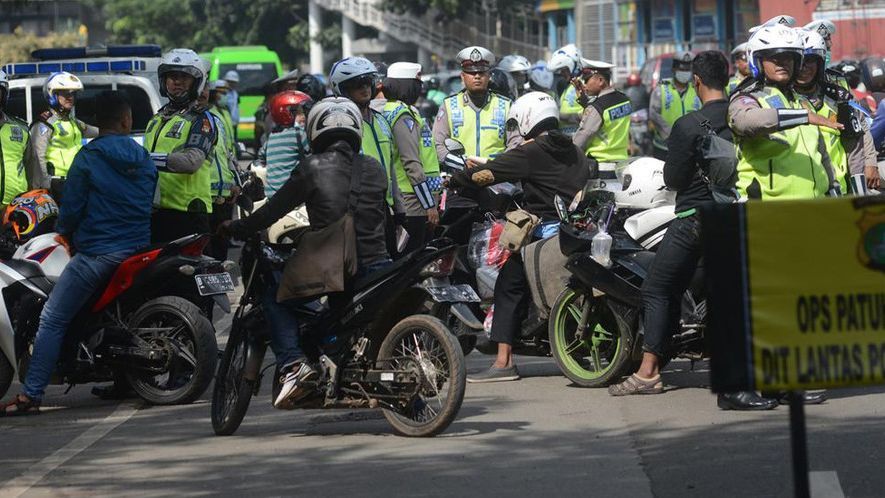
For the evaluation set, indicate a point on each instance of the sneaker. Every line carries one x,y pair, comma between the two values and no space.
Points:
293,385
494,374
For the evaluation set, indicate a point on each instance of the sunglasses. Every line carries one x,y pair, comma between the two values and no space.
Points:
358,83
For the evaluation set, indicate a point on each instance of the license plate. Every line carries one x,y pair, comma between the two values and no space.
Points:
453,294
214,283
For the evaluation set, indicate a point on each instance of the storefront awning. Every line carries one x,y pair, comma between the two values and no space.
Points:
545,6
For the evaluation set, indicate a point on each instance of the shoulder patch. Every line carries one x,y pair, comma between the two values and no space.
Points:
409,122
207,126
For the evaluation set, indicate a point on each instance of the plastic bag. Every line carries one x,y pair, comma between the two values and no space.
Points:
486,256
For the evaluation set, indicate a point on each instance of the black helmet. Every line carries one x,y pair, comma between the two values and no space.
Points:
503,84
873,69
312,86
432,83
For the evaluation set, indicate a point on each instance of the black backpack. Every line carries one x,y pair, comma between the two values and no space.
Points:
719,164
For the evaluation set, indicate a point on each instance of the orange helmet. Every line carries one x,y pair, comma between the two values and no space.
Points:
31,213
284,105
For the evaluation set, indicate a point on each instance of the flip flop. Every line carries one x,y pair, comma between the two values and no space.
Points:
19,406
635,385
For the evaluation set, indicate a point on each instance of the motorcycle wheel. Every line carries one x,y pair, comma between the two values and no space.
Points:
466,336
423,340
597,359
232,392
6,375
177,325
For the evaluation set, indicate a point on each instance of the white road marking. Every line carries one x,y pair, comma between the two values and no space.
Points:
17,486
825,484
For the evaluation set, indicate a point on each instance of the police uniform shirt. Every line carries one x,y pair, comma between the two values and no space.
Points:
199,142
406,134
441,129
591,122
41,134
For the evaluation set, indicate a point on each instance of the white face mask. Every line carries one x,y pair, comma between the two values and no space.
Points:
682,76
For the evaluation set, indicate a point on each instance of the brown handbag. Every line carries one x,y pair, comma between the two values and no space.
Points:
324,258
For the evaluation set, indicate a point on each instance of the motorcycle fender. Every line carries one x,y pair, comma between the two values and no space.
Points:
254,358
462,312
222,301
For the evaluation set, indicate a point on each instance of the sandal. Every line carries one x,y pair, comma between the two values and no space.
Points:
19,406
636,385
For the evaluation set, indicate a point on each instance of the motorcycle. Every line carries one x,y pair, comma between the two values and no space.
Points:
372,345
595,325
29,214
143,325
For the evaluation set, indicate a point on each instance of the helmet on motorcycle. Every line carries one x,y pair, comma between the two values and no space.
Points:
873,69
32,213
642,184
285,105
62,81
332,119
533,113
351,69
852,71
4,89
312,86
772,40
183,60
502,83
634,80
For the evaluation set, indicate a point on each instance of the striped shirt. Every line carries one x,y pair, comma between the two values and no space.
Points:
284,150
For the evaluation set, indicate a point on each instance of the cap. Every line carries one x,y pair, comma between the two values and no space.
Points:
232,76
682,59
291,75
404,70
475,59
218,85
738,50
596,65
784,19
823,27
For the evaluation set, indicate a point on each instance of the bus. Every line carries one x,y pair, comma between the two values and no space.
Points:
257,65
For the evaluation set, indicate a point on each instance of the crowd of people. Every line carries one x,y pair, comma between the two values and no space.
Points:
369,150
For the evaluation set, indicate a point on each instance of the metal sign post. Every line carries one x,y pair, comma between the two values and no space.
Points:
799,445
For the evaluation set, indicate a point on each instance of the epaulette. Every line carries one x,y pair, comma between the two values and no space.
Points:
749,85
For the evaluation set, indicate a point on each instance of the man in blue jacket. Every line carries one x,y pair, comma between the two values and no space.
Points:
105,218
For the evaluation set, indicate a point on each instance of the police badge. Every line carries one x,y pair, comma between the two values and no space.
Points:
871,246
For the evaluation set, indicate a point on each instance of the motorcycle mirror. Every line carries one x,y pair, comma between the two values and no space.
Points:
455,147
245,203
561,208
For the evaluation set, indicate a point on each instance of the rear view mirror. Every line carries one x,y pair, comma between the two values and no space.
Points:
561,208
455,147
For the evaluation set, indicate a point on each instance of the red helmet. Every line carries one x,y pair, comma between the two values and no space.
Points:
284,105
633,80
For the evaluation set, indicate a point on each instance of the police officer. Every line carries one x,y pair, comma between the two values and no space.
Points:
222,178
518,67
13,146
217,104
670,100
57,135
605,126
845,147
181,138
566,64
779,153
416,167
742,68
233,96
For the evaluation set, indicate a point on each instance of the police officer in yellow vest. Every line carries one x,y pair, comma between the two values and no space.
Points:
222,178
57,135
567,64
780,140
742,68
181,138
604,131
13,147
670,100
218,106
416,167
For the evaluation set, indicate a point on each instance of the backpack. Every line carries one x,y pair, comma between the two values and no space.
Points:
719,164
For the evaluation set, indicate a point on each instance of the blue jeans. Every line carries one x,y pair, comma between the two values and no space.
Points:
81,278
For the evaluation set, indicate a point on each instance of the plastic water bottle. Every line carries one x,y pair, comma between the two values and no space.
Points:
600,248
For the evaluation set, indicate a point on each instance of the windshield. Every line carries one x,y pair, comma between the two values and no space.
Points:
138,99
253,75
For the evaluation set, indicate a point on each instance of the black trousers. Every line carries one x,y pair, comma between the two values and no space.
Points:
512,300
674,266
168,225
218,246
419,233
659,153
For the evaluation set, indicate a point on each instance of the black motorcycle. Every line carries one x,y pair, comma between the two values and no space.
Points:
595,326
372,346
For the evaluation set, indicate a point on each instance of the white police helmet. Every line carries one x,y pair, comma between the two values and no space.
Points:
771,40
61,81
183,60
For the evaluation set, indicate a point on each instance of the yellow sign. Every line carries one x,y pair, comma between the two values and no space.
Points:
815,276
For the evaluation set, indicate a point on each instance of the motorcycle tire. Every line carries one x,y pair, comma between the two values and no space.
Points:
405,340
608,347
232,391
202,348
466,336
7,373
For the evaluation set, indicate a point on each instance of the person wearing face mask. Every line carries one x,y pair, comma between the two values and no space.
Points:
742,68
670,100
57,135
604,132
181,138
566,65
845,147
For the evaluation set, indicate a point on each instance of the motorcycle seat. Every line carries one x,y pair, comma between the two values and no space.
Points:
375,276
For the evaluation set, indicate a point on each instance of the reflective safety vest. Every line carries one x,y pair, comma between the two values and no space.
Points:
674,106
610,143
63,146
393,111
784,164
224,114
221,176
833,142
733,83
378,143
13,144
179,191
483,133
568,104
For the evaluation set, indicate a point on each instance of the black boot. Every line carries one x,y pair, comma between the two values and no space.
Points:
808,398
745,400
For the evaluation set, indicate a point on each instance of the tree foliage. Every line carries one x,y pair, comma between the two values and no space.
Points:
17,46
